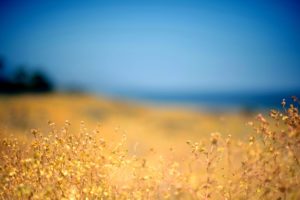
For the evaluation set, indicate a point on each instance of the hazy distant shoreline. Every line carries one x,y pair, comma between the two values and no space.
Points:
221,100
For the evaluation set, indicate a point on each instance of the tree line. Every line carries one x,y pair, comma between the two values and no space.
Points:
22,80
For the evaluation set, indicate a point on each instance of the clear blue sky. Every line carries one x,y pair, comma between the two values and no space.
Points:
156,45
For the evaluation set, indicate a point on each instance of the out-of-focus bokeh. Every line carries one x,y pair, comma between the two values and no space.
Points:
154,99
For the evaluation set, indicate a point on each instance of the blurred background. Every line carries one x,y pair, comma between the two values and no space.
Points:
169,99
199,66
206,53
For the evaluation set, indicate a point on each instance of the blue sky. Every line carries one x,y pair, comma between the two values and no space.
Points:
156,45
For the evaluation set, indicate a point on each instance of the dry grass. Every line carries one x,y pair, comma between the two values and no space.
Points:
67,163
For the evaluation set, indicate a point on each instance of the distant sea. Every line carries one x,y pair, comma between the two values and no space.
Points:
221,101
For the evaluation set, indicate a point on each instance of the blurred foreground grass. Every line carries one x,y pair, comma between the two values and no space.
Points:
115,150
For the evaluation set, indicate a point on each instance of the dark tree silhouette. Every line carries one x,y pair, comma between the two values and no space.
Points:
5,84
23,81
20,79
21,76
40,83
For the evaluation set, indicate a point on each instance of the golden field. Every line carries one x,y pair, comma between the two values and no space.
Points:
61,146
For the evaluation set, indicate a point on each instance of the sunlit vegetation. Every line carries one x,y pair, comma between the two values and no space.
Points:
63,162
